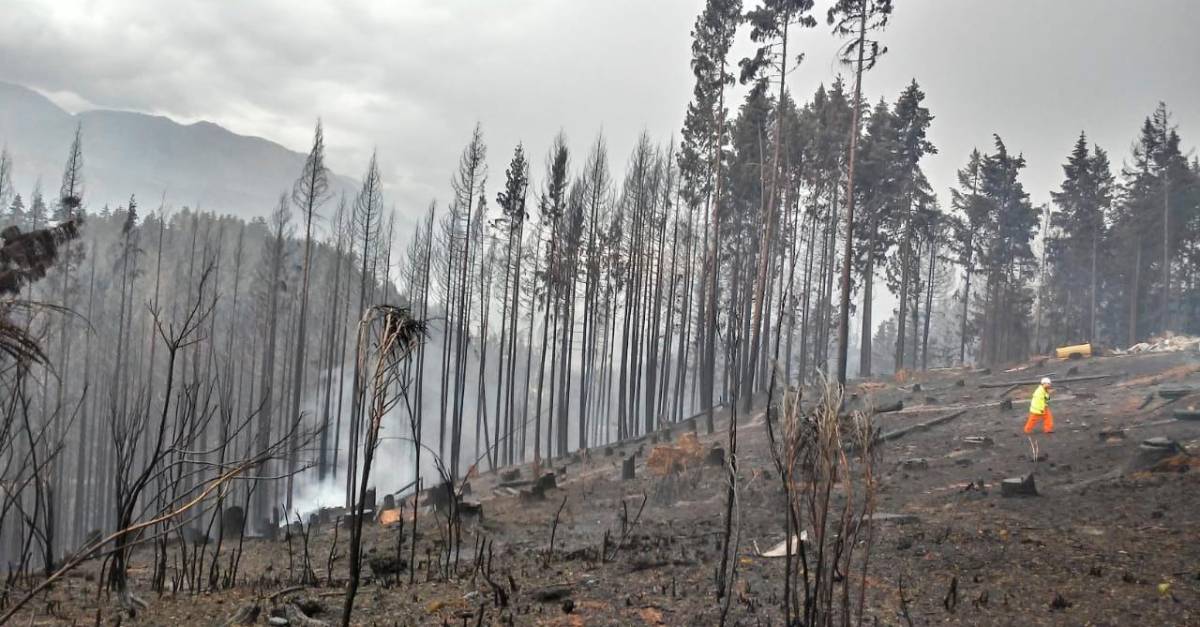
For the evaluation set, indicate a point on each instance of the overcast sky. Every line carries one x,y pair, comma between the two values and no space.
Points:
411,78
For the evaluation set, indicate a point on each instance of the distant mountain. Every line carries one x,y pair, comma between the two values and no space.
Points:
198,165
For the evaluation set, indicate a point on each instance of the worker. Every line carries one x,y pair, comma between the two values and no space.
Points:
1039,409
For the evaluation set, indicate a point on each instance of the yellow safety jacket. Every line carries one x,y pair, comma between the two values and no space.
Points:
1041,398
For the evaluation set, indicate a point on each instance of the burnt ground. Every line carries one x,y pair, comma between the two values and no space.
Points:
1116,545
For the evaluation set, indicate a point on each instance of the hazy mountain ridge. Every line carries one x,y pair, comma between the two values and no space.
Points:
199,165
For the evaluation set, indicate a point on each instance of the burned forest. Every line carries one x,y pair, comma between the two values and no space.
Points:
767,365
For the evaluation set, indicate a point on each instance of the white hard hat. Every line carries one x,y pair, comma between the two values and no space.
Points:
1045,380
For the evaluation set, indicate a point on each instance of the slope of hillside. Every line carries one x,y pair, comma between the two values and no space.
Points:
1110,540
200,165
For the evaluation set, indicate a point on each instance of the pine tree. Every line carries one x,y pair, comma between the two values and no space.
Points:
310,191
1006,258
770,26
1158,200
6,177
746,241
912,120
551,207
368,222
1085,197
968,226
70,197
38,214
16,215
468,183
510,225
854,19
271,283
597,192
701,163
876,191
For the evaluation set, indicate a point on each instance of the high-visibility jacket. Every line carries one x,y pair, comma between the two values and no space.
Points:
1041,398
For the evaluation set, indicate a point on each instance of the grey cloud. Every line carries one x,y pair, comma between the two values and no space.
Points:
412,78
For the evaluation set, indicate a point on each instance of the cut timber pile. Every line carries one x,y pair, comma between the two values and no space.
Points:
1167,343
671,459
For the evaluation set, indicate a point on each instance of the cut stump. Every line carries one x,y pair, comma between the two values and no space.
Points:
1018,486
627,472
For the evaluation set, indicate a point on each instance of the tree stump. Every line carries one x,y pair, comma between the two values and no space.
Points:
247,615
233,520
439,496
1018,486
470,510
387,565
627,472
1152,451
546,482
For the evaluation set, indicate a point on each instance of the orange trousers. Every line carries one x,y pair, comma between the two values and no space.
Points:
1047,425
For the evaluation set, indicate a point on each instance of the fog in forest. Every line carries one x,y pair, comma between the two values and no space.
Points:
269,257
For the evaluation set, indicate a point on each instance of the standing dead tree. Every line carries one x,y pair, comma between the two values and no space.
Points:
387,336
727,574
176,458
29,453
135,506
128,428
123,540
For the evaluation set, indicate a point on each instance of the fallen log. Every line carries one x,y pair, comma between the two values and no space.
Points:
1010,389
921,426
887,408
1175,394
550,594
1004,384
1187,414
286,591
890,407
